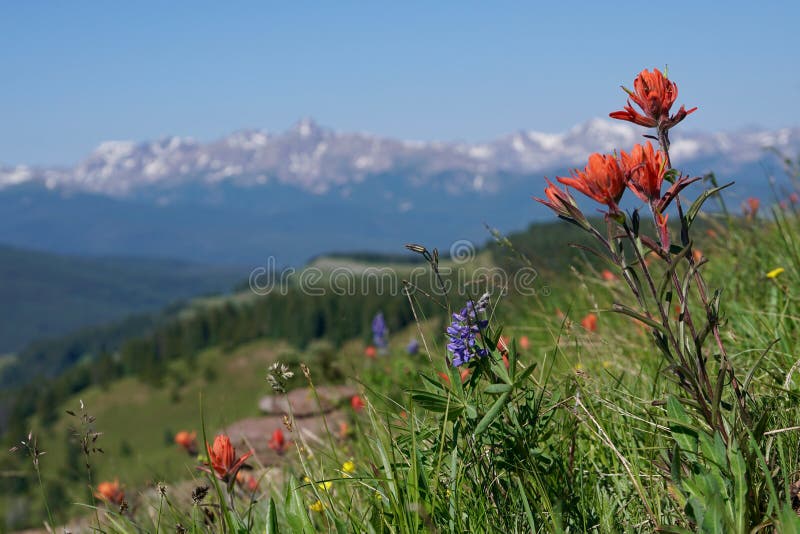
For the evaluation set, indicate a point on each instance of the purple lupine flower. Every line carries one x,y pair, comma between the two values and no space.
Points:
412,347
380,334
463,332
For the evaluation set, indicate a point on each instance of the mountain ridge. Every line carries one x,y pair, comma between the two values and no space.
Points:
253,196
320,160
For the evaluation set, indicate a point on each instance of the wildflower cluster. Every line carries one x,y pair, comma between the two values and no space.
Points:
464,330
643,171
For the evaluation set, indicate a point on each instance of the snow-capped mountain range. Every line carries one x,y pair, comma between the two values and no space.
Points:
319,160
311,190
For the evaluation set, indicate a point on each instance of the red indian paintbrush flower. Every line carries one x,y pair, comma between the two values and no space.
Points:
601,180
561,202
223,458
357,403
590,322
750,207
111,492
644,169
278,441
187,440
654,94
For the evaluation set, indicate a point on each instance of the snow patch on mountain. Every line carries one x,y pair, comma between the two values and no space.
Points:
318,159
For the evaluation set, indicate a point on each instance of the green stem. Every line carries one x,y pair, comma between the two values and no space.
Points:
44,497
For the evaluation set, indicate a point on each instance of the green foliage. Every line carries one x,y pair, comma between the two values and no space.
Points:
582,432
80,292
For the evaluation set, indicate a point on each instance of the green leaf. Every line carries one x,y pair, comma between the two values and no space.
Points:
496,389
739,475
621,308
492,337
524,376
675,465
436,403
493,413
296,513
697,204
678,254
272,518
435,383
472,412
680,425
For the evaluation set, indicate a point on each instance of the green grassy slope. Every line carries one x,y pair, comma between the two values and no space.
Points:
45,295
617,364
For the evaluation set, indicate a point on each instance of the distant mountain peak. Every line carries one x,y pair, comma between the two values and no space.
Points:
317,159
306,127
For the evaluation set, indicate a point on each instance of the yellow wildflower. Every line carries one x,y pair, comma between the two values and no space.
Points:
316,507
775,272
325,485
348,467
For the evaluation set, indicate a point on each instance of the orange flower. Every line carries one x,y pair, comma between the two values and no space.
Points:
223,458
697,255
344,430
750,207
187,440
654,94
794,198
111,492
357,403
590,322
601,180
370,352
524,343
562,203
608,276
644,169
506,362
278,441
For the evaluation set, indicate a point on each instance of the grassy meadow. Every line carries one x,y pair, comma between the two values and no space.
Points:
644,380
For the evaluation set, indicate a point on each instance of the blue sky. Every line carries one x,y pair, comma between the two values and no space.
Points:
77,73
